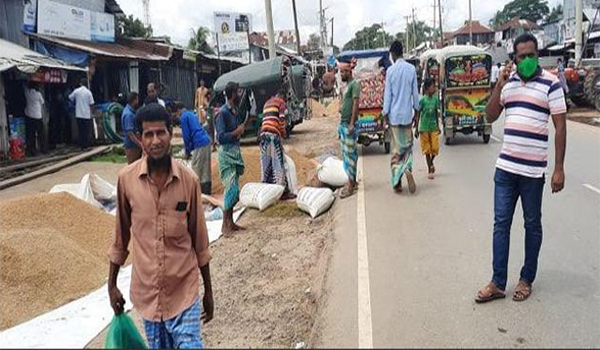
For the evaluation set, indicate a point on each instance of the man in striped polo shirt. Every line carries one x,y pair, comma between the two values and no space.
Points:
273,130
529,97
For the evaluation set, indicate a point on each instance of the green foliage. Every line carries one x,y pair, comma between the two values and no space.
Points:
131,27
199,41
533,10
372,37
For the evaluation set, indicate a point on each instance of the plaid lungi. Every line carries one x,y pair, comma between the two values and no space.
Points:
231,167
348,144
402,152
272,166
181,332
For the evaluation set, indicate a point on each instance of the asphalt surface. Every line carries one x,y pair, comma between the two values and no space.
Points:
429,253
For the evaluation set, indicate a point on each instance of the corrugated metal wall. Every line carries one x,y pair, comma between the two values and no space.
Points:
11,20
180,83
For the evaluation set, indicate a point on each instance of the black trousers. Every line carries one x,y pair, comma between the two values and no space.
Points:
84,130
34,134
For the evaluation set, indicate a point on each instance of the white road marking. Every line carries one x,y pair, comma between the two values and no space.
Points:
590,187
496,138
365,325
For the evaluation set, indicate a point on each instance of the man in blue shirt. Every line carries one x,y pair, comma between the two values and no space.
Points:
196,143
231,163
131,142
401,111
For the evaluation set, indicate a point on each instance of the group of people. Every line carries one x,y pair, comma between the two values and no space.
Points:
404,112
159,202
528,95
83,101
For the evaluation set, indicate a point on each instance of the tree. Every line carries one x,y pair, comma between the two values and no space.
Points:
199,41
369,38
314,41
533,10
131,27
555,14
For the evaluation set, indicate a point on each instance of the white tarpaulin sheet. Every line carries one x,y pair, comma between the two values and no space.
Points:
77,323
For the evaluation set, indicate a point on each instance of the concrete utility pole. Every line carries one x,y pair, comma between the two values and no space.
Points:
296,27
406,33
433,32
270,31
470,25
331,31
441,30
578,31
414,30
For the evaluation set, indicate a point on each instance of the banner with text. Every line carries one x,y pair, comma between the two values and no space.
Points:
232,31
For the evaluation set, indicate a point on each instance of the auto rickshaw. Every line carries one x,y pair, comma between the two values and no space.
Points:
465,88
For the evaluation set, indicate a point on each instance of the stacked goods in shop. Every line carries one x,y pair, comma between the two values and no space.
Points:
372,88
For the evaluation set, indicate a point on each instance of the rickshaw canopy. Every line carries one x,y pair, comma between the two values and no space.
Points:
259,73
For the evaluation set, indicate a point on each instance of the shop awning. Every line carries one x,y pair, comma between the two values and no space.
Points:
126,49
28,61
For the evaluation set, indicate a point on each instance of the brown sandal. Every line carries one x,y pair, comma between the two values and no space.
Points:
347,191
489,293
522,291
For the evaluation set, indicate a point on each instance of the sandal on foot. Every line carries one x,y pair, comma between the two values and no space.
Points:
522,291
412,186
489,293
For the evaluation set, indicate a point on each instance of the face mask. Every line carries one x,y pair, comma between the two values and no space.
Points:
527,67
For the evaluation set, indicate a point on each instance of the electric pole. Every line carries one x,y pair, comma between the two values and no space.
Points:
332,32
441,30
578,31
414,30
270,32
406,34
296,26
470,25
383,35
433,28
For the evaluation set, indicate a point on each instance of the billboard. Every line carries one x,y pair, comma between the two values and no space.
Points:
63,20
232,30
102,27
66,21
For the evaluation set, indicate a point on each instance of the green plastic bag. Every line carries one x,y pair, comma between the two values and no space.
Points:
123,334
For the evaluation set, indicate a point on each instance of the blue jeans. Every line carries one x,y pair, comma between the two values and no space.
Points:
508,188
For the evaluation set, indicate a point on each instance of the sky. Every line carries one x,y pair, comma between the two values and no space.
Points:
176,18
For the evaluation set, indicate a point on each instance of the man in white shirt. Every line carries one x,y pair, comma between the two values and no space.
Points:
84,101
33,122
152,95
495,74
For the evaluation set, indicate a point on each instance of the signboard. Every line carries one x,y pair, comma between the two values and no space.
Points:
232,31
102,27
468,71
67,21
29,15
46,75
63,20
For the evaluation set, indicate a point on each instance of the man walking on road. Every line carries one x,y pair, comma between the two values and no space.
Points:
401,112
529,97
196,142
84,101
131,142
231,163
347,132
160,210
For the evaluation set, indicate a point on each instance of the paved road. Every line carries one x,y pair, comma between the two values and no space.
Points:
429,253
